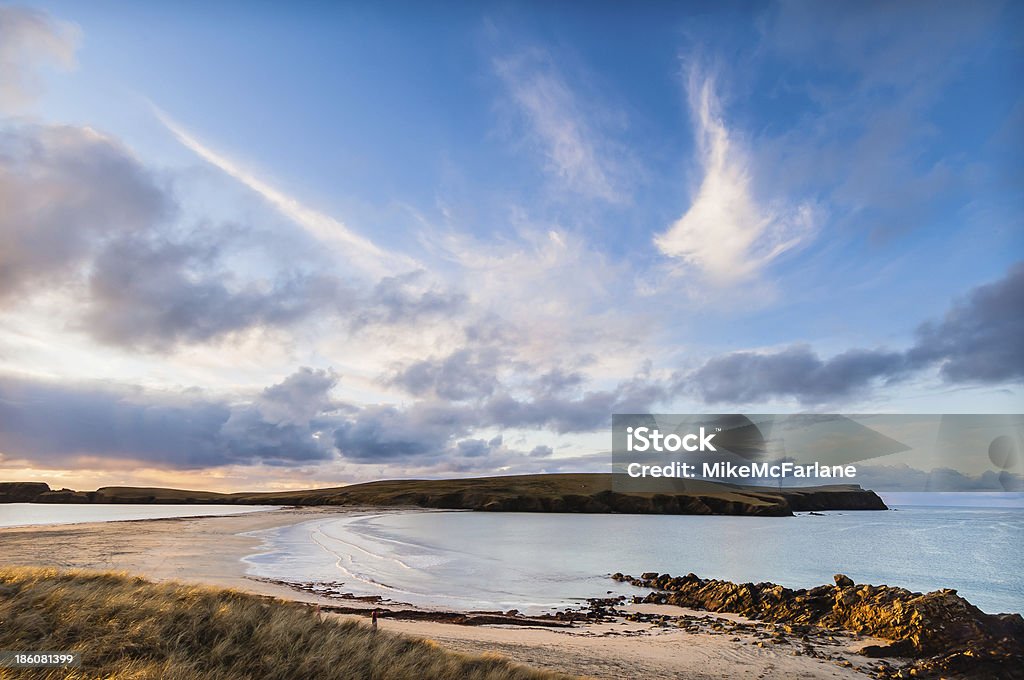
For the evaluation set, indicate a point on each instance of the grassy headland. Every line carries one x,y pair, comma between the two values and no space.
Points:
130,628
520,493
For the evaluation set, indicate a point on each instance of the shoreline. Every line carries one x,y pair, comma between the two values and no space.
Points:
649,640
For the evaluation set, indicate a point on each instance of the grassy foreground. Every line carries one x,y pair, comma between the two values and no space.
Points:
127,627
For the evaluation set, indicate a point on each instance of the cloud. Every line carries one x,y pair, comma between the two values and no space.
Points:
296,421
977,341
153,293
900,477
564,414
64,190
54,423
794,372
478,448
301,397
726,233
30,39
464,374
386,433
359,251
81,213
501,391
406,299
557,381
546,297
541,451
77,202
981,337
576,154
431,428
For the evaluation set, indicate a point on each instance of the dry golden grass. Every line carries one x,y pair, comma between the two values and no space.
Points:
128,628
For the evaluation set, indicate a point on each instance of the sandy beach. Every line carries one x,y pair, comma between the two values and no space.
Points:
209,550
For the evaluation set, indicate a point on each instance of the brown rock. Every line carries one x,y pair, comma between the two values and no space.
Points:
941,629
844,581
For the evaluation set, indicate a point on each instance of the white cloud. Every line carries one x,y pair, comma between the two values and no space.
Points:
358,250
575,154
726,233
30,38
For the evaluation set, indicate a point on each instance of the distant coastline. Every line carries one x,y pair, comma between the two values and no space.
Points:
586,493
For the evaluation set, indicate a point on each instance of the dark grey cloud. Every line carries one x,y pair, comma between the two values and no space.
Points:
153,293
463,374
477,448
59,423
301,397
385,433
541,451
977,341
796,371
587,412
981,338
64,190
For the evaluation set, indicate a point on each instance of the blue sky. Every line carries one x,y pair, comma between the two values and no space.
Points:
459,237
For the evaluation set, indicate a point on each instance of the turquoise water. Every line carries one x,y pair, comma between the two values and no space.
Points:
537,562
36,514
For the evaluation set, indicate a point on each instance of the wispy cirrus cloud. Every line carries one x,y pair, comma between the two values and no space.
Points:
576,153
30,39
359,250
727,233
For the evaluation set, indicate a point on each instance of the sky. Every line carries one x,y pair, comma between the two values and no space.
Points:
280,245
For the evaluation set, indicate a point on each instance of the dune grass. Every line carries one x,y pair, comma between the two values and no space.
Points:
127,627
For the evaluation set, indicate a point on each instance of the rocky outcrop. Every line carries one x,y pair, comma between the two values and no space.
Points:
942,630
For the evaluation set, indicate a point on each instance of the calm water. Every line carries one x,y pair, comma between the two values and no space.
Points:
34,514
535,562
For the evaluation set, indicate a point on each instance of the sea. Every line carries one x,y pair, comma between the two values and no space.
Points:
537,563
37,514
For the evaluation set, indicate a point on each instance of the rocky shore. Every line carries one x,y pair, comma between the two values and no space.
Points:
937,634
